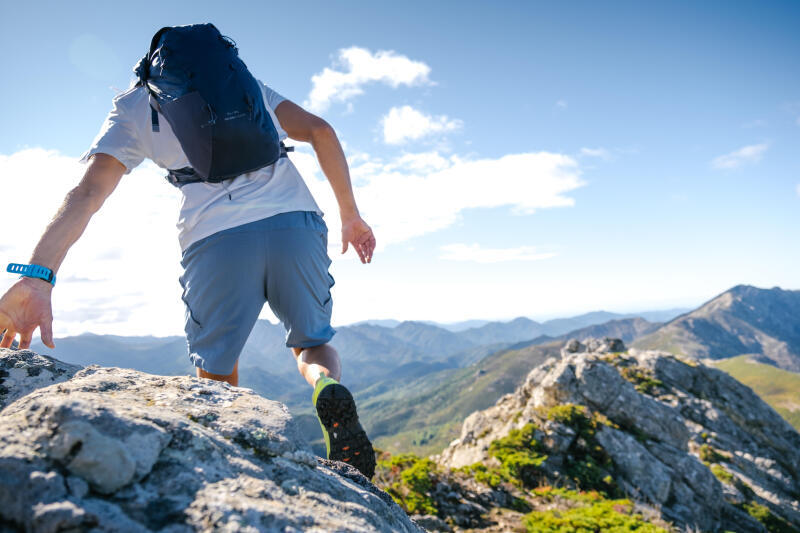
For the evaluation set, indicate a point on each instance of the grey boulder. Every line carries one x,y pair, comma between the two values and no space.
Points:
119,450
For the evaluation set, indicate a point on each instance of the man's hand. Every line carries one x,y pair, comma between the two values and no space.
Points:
26,305
356,232
23,308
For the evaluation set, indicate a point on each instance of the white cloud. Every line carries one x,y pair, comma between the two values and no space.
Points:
561,104
474,253
122,275
421,193
602,153
405,123
356,67
746,154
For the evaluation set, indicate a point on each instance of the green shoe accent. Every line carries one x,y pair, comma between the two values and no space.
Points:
323,382
345,438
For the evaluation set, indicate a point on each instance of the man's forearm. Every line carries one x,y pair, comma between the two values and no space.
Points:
65,228
101,178
334,165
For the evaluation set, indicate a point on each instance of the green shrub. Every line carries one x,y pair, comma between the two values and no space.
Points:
709,455
555,493
642,380
773,523
586,462
571,415
412,480
593,513
483,474
520,455
722,474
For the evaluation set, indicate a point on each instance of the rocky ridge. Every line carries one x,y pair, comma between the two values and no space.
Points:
684,441
109,449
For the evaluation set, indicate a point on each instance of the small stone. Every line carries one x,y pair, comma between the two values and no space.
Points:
78,488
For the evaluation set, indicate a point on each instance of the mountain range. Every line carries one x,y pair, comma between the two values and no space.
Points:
428,377
369,351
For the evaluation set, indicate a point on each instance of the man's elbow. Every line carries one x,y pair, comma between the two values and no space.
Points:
101,178
321,131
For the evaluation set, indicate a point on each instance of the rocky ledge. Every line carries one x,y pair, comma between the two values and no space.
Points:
109,449
684,441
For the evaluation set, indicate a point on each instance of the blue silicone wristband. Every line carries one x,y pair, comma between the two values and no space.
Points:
32,271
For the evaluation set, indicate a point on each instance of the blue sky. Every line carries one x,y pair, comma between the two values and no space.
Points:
515,158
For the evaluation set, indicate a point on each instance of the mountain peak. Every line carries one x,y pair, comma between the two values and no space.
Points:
741,320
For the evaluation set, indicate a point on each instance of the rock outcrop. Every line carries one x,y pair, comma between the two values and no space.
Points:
683,438
108,449
23,371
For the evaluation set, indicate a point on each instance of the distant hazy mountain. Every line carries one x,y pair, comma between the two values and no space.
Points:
554,327
661,316
560,326
627,329
385,323
157,355
742,320
524,329
461,326
519,329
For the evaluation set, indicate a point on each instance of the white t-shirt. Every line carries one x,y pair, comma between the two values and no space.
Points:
127,134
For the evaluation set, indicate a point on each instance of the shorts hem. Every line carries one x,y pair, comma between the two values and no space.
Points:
203,365
310,344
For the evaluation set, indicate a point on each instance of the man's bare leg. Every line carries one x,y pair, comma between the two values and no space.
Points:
232,378
316,360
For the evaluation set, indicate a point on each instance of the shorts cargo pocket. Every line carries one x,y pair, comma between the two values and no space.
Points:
189,313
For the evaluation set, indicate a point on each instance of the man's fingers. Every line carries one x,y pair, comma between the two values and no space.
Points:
344,245
369,246
8,338
367,252
46,330
25,340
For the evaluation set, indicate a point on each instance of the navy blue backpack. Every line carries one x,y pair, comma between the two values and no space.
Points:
214,105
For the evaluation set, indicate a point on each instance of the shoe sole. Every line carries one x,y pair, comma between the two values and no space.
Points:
349,443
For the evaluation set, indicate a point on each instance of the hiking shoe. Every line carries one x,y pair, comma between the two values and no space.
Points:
345,439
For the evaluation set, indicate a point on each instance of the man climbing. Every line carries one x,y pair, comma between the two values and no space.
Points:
249,228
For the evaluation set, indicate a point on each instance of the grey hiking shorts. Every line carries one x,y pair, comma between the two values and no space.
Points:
229,275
